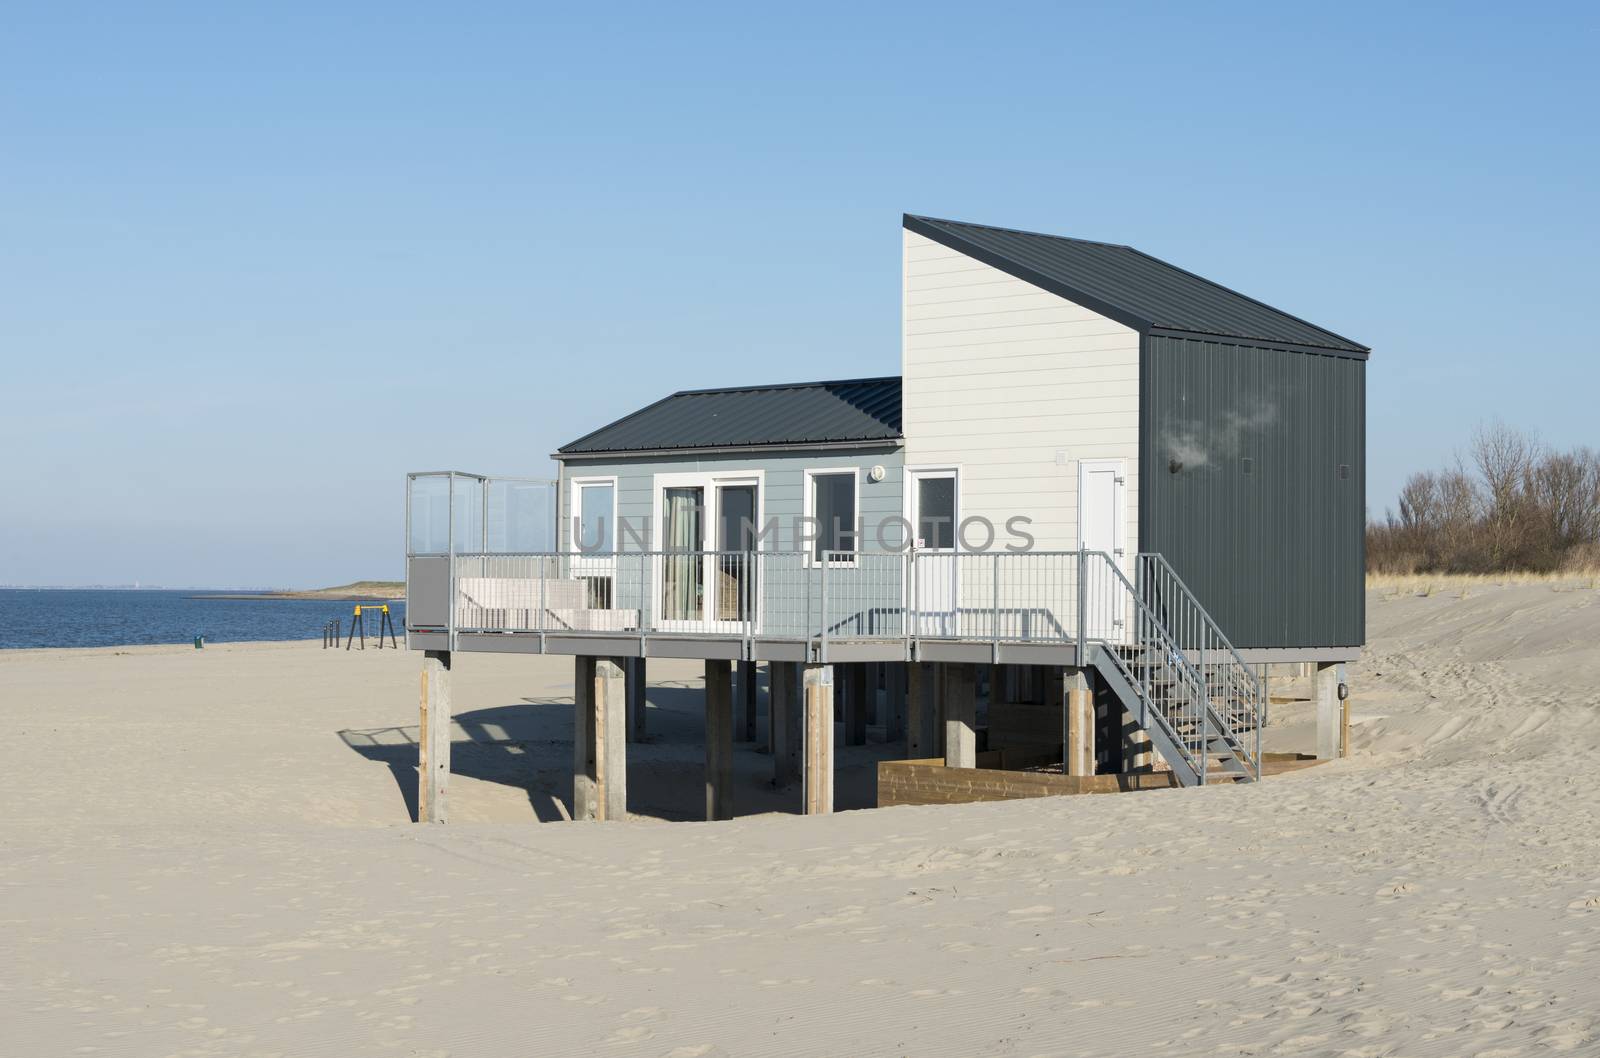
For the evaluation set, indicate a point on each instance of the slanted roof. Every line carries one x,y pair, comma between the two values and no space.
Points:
1129,286
804,413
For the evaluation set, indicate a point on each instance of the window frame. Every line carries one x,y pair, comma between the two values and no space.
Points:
575,516
809,512
709,481
908,509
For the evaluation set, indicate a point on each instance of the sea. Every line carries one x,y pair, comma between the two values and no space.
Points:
91,617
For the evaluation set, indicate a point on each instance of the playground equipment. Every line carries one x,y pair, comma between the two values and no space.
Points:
332,633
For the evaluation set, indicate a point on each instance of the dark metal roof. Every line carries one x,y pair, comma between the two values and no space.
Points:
854,410
1129,286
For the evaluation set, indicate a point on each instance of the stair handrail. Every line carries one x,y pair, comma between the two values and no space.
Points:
1170,653
1238,668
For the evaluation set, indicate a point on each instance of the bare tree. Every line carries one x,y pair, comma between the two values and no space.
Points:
1504,459
1513,505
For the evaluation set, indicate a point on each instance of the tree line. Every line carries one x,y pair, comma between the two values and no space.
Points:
1509,504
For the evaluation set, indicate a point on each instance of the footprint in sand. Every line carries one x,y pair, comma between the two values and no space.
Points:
632,1034
1531,723
1449,729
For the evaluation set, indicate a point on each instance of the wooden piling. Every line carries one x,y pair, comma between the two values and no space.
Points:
433,738
719,739
818,683
600,740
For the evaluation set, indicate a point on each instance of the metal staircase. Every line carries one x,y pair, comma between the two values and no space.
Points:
1162,654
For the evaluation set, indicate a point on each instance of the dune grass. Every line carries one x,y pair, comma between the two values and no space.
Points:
1463,584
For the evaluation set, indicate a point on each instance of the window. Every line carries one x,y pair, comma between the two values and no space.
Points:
596,510
936,512
833,505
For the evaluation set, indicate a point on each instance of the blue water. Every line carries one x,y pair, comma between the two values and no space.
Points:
96,618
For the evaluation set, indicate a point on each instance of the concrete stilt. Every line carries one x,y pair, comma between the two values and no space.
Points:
772,717
855,705
719,739
585,734
747,701
1330,709
600,740
875,697
818,682
894,706
433,737
1052,680
961,716
637,680
1080,724
919,710
786,717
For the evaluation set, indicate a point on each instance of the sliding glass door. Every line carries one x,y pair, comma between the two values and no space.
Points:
736,533
683,582
709,525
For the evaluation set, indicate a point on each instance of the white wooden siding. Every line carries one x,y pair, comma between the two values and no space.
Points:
1000,376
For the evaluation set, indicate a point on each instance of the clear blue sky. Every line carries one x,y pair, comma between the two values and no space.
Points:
256,264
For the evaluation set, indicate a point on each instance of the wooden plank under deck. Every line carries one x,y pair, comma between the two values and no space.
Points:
930,782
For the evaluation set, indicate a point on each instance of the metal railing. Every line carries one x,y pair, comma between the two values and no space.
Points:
1151,658
1022,597
1006,597
1233,690
1168,648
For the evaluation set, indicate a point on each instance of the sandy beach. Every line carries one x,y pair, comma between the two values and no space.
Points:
209,853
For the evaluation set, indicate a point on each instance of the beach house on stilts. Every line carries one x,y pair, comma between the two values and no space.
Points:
1101,486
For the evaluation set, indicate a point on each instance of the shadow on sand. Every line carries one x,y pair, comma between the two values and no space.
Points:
528,746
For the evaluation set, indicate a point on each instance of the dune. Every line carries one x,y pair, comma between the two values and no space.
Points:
209,853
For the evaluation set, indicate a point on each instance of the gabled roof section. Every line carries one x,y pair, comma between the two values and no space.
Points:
805,413
1130,286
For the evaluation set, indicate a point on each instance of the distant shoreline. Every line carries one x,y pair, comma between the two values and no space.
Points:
272,595
373,591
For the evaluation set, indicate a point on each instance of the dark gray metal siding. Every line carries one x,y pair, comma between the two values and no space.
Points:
1277,555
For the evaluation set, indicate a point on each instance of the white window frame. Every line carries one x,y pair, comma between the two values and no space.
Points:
575,515
708,481
808,511
908,501
932,621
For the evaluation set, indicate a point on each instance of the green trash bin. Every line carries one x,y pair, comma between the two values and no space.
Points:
199,642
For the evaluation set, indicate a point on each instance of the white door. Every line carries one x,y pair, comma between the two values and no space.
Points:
594,539
935,517
1101,497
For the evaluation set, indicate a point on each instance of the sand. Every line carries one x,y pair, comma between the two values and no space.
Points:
206,853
